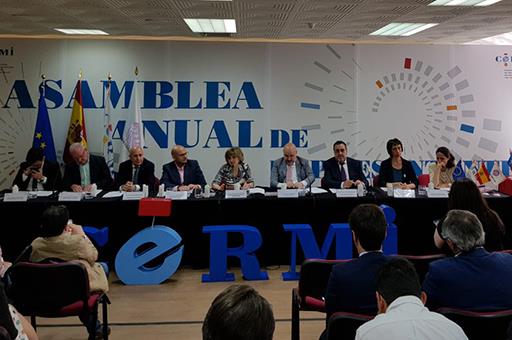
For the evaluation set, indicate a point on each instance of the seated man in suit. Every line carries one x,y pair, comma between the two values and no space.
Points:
291,171
182,174
402,314
342,172
474,279
85,171
352,285
38,173
135,172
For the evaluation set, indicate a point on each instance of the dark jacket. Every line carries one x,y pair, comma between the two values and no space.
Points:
332,173
386,173
193,175
51,171
146,174
99,171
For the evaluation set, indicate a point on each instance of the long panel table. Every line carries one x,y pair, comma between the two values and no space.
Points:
268,214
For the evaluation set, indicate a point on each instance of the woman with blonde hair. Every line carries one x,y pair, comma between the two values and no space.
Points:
234,173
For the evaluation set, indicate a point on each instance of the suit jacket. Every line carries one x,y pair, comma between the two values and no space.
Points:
476,280
99,171
386,173
193,174
332,173
51,171
279,168
352,285
146,174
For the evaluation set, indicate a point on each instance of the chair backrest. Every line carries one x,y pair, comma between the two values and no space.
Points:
314,276
343,325
422,262
480,325
42,289
423,180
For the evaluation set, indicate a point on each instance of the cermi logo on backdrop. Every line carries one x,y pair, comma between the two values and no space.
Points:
9,51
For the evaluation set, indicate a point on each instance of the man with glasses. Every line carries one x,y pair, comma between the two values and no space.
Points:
85,170
182,174
341,171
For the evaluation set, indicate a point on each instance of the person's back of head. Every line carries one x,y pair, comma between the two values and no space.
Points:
54,220
397,278
368,223
462,230
239,313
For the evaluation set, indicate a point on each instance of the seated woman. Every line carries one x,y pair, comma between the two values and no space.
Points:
234,172
395,169
441,172
465,195
68,242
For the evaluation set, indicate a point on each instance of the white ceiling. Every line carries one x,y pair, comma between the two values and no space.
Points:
335,20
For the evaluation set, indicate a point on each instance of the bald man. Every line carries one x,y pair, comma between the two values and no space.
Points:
135,172
85,170
291,171
182,174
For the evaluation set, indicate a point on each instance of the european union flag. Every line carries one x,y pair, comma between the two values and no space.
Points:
43,137
459,173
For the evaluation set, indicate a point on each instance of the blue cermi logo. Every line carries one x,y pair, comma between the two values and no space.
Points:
132,266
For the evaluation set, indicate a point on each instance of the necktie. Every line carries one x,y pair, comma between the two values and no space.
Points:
343,174
136,175
34,184
289,173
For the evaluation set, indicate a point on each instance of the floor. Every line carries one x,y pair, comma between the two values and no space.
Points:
176,308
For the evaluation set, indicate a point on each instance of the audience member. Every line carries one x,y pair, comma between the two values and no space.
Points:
351,286
441,172
341,171
135,172
474,279
85,171
38,173
395,169
239,313
234,172
182,174
465,195
402,314
291,171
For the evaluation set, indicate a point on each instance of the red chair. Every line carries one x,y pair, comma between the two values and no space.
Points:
480,325
423,180
422,262
55,290
309,295
343,325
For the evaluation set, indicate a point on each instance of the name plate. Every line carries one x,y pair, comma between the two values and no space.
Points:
404,193
346,193
433,193
16,197
235,194
176,195
133,195
70,196
288,193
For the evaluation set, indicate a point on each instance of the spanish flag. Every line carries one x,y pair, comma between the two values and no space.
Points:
76,130
482,176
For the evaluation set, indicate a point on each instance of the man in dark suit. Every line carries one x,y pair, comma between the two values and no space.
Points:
474,279
182,174
342,172
135,172
38,173
291,171
352,284
85,171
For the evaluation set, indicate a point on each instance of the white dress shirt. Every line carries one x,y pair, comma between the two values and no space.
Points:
407,318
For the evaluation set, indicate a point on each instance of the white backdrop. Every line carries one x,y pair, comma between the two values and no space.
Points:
457,96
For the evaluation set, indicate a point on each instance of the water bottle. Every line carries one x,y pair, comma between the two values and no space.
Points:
15,189
207,191
360,190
